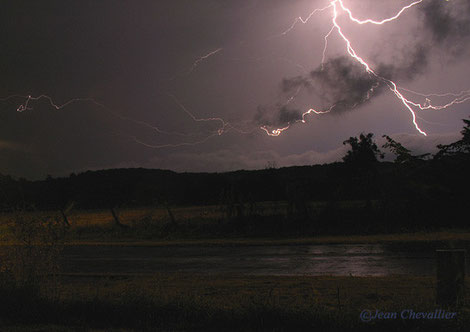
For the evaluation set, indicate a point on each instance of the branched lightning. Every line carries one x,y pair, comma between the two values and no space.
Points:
28,99
448,94
196,137
337,8
338,5
26,106
352,18
301,20
221,129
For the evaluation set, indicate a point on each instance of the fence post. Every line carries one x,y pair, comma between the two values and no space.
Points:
450,277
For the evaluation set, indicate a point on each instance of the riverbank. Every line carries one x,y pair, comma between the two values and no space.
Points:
182,302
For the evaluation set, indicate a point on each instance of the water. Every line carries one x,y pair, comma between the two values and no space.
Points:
339,260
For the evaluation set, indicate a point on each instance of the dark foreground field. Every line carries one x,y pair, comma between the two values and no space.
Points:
225,303
36,295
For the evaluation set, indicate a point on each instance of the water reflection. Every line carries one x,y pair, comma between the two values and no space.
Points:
356,260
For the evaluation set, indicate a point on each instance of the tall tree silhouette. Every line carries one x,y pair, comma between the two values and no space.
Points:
459,148
364,151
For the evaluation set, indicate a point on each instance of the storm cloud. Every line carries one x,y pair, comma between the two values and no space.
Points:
342,84
282,116
445,21
448,24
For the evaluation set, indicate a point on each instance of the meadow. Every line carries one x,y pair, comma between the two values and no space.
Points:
264,224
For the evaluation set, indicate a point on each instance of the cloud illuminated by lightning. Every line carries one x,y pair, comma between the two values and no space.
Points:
338,5
337,8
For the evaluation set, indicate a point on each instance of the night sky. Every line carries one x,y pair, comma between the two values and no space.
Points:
142,63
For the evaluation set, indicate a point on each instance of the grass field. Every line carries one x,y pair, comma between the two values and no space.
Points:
133,216
198,225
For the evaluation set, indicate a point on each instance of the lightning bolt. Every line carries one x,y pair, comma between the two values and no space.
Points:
195,64
301,20
202,58
26,106
336,6
221,129
28,99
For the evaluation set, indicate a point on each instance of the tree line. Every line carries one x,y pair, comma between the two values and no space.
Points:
422,189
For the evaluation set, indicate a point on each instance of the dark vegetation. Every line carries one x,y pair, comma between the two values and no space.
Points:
360,195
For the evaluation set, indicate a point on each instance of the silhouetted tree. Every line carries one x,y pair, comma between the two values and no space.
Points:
363,150
64,212
403,155
117,221
270,165
461,147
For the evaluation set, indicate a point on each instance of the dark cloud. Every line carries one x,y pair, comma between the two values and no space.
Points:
343,84
414,62
261,116
288,115
340,83
448,23
438,19
290,84
282,117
